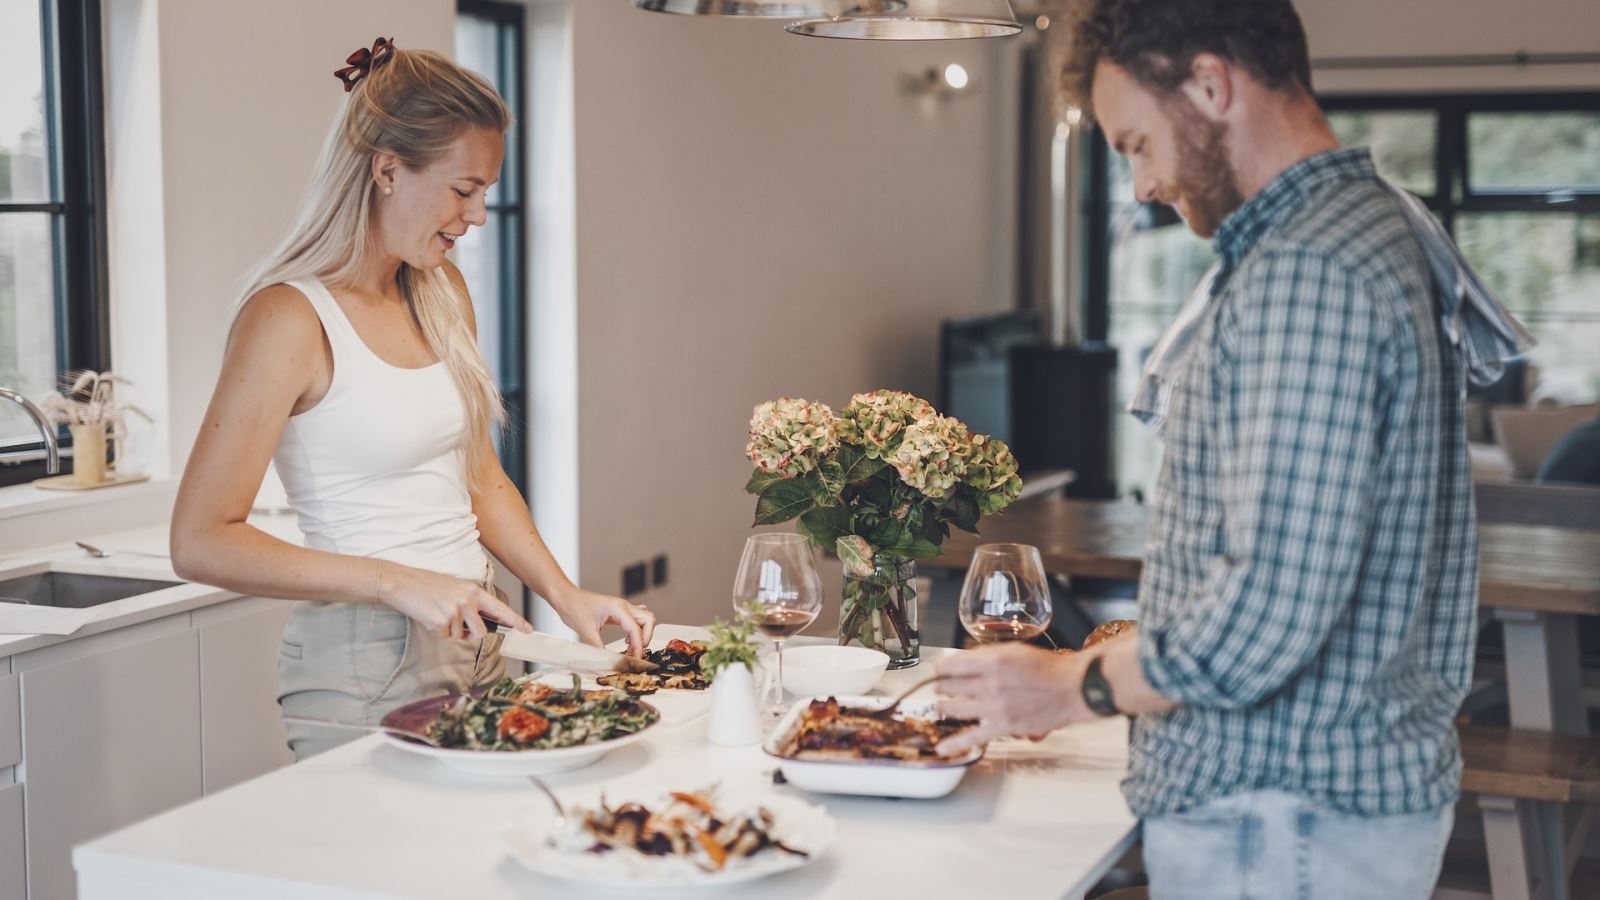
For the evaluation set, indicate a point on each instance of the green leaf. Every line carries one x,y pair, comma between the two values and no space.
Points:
826,524
760,481
785,500
886,533
917,548
856,554
855,464
963,511
831,479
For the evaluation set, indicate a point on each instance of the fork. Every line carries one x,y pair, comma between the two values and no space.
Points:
887,712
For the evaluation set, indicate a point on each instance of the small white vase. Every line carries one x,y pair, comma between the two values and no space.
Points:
735,719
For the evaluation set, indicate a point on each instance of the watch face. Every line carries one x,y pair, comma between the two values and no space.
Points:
1097,691
1096,695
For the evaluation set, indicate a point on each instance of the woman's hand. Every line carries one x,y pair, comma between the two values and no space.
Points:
587,612
449,607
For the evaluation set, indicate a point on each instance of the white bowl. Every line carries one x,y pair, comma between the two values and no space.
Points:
820,670
868,777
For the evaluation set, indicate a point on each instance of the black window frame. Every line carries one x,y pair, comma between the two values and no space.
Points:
511,208
1454,193
75,139
1452,196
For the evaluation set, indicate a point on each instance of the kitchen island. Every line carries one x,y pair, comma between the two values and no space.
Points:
1032,820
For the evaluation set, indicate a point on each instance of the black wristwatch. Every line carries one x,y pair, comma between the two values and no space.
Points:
1097,690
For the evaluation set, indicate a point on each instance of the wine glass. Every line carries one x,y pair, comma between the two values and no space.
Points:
778,574
1006,596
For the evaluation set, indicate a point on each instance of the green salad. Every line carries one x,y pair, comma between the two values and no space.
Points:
519,714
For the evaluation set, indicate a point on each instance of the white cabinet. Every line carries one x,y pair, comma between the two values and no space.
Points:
241,725
119,726
110,734
13,871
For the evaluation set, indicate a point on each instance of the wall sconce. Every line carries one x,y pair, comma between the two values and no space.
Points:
938,84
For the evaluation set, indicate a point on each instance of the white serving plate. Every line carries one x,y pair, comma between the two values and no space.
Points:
501,763
798,824
518,763
868,777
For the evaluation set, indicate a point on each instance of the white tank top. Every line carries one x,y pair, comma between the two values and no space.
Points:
378,467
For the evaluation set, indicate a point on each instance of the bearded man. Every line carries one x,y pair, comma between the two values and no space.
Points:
1309,594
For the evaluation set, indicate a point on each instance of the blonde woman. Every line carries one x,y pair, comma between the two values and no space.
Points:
353,364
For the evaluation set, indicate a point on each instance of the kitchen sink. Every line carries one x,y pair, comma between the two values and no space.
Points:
74,590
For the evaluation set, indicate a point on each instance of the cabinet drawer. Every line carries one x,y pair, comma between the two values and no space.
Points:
10,722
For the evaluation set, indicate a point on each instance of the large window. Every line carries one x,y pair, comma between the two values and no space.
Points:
53,314
1516,179
489,40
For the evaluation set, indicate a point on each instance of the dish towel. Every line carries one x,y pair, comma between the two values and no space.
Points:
1483,331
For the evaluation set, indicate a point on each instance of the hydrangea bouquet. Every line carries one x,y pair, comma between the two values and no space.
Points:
880,483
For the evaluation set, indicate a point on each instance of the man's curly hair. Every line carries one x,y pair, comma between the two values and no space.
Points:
1157,40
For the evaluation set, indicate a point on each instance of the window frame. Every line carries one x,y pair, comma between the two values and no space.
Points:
75,138
1454,193
511,207
1452,196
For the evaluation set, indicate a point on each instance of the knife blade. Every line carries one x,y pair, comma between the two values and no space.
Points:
544,648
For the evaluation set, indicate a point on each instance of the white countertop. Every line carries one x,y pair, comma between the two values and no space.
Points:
186,596
368,820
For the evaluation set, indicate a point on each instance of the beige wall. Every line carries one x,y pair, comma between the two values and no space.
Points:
1378,28
217,109
758,215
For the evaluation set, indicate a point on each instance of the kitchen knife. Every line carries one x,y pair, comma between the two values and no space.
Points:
543,648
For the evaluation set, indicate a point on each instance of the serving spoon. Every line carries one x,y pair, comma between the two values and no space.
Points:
357,726
98,553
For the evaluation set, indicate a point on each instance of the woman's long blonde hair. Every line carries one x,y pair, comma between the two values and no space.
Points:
413,105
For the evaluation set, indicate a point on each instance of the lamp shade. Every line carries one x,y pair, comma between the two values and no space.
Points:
771,9
916,20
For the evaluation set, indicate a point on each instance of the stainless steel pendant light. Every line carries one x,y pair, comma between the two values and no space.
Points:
917,20
772,9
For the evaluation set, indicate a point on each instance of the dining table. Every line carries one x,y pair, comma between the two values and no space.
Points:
369,820
1535,579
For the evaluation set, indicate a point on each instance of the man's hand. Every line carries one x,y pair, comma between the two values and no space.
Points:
1014,689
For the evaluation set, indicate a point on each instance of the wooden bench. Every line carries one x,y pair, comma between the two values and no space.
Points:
1523,780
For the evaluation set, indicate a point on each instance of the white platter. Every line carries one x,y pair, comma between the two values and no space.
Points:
868,777
499,763
797,823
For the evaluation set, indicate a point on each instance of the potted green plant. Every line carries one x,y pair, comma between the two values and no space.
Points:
730,663
880,483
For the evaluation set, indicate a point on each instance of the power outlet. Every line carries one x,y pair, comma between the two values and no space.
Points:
658,571
633,580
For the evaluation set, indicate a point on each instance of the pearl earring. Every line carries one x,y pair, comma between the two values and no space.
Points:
387,190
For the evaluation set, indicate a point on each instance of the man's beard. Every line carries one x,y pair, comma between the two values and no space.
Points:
1205,179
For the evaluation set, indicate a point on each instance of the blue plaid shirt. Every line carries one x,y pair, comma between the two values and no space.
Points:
1310,585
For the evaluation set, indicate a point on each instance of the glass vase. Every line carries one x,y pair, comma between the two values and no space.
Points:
880,611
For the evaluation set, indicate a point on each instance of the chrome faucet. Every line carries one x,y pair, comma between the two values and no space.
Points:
52,463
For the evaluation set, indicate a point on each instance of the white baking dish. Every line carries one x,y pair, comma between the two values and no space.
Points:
868,777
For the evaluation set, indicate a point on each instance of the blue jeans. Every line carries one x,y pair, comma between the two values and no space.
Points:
1271,845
